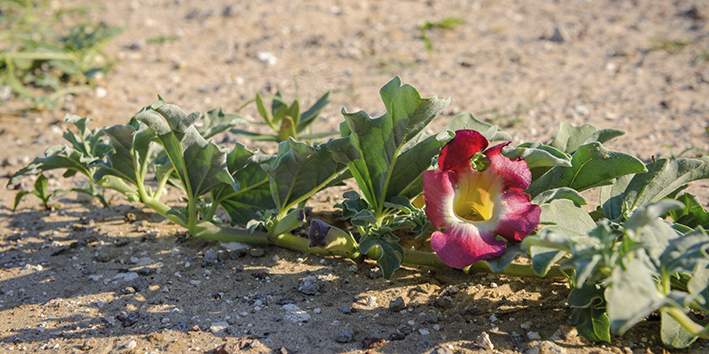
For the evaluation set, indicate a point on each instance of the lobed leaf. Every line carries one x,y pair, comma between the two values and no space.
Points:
569,138
299,171
693,213
378,151
392,254
201,165
216,121
662,178
684,254
253,193
565,219
134,151
611,197
592,165
56,157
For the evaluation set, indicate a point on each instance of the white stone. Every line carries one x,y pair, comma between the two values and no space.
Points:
295,314
533,336
218,327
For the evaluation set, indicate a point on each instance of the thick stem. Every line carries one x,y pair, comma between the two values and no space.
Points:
163,209
431,259
117,184
209,231
192,216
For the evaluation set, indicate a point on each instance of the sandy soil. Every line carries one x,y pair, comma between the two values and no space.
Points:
86,279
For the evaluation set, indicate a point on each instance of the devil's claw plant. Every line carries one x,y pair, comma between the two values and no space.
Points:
641,250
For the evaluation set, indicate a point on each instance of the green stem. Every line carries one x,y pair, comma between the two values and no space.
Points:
431,259
163,209
209,231
161,184
212,209
192,215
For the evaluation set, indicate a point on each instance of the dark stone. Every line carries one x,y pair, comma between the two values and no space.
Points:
397,305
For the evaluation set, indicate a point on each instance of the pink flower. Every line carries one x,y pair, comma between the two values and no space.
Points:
473,204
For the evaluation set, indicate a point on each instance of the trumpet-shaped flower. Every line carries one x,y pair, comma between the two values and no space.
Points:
475,196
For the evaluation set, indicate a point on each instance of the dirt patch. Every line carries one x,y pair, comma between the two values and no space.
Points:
87,279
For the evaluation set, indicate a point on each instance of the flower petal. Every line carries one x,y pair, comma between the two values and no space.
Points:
463,244
457,153
520,217
515,174
439,191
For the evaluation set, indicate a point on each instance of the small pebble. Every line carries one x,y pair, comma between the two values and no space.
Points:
345,337
533,336
310,285
257,252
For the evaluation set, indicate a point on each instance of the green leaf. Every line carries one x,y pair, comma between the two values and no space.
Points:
87,149
279,107
538,155
133,153
611,197
698,287
265,114
684,254
559,193
309,116
674,335
589,312
56,157
88,142
662,178
632,294
299,171
592,165
570,138
41,188
253,194
18,198
693,213
392,254
467,121
647,227
380,152
201,165
567,220
216,121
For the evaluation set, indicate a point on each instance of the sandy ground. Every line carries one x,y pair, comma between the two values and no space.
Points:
86,279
